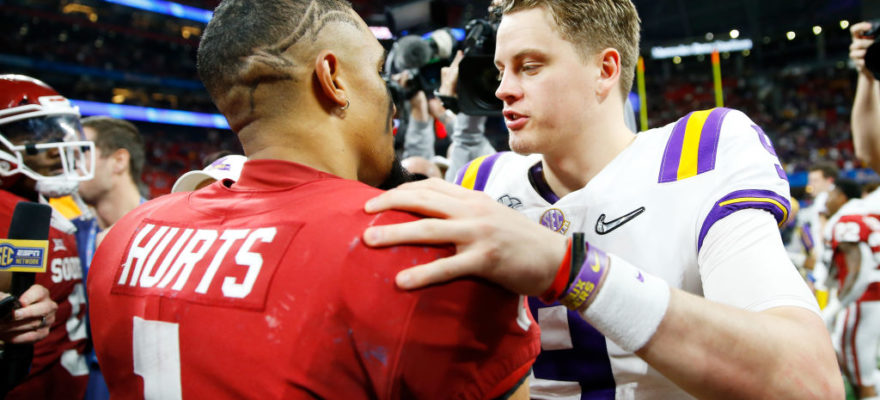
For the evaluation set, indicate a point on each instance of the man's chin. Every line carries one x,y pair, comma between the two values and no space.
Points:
521,147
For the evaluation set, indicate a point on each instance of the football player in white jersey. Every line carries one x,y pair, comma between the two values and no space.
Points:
682,271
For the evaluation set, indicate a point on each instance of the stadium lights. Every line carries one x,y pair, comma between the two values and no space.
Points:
817,30
844,24
194,14
790,35
734,33
188,31
683,50
168,8
150,114
381,32
74,8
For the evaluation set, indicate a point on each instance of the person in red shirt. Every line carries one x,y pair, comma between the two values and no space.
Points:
262,288
42,154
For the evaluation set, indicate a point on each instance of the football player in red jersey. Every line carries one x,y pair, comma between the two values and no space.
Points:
261,288
854,245
42,154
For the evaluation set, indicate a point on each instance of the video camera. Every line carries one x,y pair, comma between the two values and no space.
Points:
872,54
424,58
477,75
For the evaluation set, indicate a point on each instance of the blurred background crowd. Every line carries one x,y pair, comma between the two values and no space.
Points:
795,80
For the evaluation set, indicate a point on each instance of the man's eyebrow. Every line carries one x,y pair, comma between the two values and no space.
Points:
524,53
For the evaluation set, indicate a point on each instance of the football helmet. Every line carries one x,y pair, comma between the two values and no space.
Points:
41,138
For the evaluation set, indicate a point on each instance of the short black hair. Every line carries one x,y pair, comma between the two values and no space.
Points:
850,188
243,33
112,134
828,169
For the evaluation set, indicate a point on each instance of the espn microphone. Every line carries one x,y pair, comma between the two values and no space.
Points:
30,221
26,247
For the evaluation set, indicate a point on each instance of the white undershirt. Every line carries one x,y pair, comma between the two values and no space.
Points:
743,263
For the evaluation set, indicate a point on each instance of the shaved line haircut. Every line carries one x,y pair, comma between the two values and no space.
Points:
244,46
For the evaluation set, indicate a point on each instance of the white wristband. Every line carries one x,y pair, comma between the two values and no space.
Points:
629,306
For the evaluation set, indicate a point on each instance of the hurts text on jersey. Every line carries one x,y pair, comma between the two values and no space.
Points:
201,264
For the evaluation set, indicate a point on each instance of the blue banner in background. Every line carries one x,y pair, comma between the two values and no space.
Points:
150,114
168,8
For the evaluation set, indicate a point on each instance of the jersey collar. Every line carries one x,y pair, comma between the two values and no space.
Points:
275,175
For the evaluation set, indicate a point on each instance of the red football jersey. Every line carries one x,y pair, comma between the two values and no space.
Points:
264,290
857,228
59,369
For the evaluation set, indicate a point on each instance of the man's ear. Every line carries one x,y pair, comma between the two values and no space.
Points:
609,72
327,72
120,159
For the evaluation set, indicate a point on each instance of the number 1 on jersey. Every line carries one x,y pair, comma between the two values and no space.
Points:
156,354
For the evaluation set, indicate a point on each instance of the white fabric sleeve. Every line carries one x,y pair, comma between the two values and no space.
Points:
743,263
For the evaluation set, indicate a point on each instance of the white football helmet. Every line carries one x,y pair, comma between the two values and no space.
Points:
35,119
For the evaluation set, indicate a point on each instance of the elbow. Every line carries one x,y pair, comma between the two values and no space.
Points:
830,388
818,376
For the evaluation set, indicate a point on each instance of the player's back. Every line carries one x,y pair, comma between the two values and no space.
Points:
270,294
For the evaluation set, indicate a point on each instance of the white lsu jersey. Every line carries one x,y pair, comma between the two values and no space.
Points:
653,206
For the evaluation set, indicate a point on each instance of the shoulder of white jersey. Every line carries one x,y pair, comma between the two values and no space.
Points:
725,144
871,202
476,174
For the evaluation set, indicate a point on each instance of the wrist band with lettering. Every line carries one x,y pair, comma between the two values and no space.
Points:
584,285
629,306
560,282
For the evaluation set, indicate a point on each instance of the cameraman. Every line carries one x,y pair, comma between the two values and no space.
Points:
866,107
418,138
468,131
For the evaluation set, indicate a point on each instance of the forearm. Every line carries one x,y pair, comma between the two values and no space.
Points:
418,139
734,353
753,329
866,121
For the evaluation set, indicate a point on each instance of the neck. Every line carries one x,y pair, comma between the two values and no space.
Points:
572,166
123,198
317,145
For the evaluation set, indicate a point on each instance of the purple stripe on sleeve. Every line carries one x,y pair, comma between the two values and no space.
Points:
536,178
807,237
709,136
720,211
781,172
765,140
484,171
672,154
459,176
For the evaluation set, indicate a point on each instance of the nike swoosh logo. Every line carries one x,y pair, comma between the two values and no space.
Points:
603,227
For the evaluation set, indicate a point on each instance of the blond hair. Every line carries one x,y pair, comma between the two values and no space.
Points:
594,25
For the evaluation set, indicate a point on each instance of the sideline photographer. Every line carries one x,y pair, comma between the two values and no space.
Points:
419,81
866,106
412,68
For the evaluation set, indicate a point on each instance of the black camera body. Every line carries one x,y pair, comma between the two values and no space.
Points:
872,54
477,74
